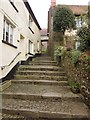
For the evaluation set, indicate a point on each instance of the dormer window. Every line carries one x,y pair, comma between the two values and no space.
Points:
12,3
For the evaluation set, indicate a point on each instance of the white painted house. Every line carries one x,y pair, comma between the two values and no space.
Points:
19,34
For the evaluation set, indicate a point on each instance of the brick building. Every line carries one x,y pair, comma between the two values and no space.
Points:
80,12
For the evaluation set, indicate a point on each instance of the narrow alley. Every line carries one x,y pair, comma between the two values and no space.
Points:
40,91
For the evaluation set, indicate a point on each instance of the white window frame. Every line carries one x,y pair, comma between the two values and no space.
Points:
4,31
31,47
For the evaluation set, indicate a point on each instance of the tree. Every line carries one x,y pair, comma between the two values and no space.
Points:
63,19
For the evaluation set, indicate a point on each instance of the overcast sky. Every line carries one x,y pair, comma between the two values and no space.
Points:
41,7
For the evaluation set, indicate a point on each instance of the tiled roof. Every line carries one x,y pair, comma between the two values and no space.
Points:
77,9
43,32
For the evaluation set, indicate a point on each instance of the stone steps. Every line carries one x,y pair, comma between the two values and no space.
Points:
35,90
46,108
40,91
43,62
40,77
42,59
12,117
52,73
48,96
41,82
40,67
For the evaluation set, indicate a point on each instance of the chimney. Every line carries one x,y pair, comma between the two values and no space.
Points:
53,3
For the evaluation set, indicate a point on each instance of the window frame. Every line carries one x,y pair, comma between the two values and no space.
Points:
6,38
12,3
30,47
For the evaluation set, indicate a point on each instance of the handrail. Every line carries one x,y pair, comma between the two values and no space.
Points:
2,67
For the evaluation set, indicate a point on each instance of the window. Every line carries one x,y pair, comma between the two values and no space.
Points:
12,3
30,47
11,34
8,32
78,22
30,20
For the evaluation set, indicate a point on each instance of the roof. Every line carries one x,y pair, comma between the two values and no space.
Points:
43,32
78,9
31,13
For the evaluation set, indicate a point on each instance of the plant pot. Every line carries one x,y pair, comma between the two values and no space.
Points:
75,90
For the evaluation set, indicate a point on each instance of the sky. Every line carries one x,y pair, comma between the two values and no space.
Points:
41,7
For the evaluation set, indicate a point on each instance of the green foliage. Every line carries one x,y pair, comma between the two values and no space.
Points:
63,19
73,84
75,55
58,53
84,38
88,58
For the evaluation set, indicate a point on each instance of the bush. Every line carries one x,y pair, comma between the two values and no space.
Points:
75,55
75,87
84,38
74,84
58,53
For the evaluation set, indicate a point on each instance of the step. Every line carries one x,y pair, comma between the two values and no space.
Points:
41,82
28,91
28,72
46,108
52,63
43,61
40,77
18,117
42,58
40,67
12,117
51,95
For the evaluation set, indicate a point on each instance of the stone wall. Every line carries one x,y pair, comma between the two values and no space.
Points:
81,74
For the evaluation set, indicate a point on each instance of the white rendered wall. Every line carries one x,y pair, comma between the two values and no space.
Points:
20,20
